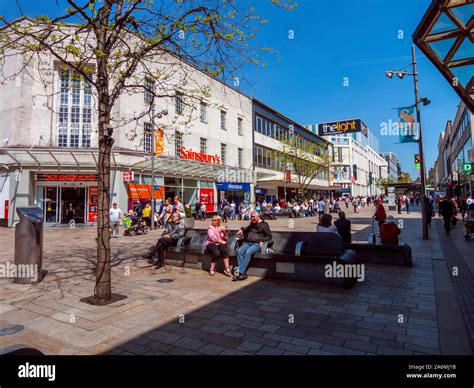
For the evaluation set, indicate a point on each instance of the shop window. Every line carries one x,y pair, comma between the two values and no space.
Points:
178,142
223,153
203,145
179,103
149,90
240,157
147,133
240,129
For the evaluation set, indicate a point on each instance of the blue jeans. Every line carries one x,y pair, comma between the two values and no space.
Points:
244,254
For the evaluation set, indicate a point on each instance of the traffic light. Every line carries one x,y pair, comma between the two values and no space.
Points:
417,161
354,171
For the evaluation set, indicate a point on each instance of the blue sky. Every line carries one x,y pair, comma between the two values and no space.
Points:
333,40
359,40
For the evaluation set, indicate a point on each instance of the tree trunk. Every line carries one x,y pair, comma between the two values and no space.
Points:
103,290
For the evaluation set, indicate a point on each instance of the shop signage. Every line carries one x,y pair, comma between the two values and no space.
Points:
229,186
198,156
128,176
159,142
261,191
136,191
207,198
93,200
287,175
468,167
344,190
66,177
344,126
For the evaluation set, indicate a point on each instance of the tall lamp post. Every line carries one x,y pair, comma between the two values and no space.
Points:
425,101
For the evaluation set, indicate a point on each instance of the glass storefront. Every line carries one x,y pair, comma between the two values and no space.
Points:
66,197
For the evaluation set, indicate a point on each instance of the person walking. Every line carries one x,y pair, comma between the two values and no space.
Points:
147,215
216,244
399,205
115,218
447,211
428,211
380,215
407,204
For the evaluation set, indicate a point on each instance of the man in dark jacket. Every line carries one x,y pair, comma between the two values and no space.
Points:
344,227
446,209
173,232
254,235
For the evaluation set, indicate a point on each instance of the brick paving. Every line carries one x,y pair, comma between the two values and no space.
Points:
394,311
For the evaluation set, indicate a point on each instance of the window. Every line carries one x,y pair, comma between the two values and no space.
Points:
203,145
203,112
223,153
179,103
241,157
75,111
223,119
240,129
147,133
178,142
149,90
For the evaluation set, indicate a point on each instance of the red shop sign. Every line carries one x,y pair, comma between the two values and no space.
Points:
198,156
66,177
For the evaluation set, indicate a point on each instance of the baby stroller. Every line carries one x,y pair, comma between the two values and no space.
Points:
134,225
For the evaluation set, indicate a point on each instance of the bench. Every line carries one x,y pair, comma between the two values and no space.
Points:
298,256
400,254
20,350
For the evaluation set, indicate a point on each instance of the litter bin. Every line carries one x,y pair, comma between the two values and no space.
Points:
29,245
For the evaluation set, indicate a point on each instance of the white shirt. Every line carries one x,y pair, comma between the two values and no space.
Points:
115,214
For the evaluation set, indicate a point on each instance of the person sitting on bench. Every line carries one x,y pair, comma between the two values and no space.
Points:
389,232
325,225
254,235
343,226
174,230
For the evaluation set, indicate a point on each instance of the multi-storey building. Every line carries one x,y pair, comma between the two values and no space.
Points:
270,127
392,162
49,144
356,164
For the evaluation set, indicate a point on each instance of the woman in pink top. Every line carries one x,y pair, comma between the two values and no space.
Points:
216,244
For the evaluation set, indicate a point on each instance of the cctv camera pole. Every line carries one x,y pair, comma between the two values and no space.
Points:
420,146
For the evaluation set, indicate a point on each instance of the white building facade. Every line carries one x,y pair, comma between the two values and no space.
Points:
49,144
356,165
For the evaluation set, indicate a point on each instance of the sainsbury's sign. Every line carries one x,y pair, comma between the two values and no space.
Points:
198,156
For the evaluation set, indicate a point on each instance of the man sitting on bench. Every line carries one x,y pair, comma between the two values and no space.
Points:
174,230
254,235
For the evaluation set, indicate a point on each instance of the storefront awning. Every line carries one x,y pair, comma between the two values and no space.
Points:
446,37
86,159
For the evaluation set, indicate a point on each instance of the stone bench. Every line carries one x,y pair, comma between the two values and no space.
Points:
400,254
298,256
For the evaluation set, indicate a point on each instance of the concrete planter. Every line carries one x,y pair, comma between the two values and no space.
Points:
188,222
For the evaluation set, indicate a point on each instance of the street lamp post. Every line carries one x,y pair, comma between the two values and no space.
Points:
425,101
420,147
152,215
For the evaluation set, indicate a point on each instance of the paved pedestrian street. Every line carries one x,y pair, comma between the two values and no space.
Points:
396,310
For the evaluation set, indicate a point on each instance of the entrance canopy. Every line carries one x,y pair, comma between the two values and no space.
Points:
446,37
80,159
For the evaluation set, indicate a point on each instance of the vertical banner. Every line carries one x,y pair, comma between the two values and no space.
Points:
406,124
207,198
159,142
93,199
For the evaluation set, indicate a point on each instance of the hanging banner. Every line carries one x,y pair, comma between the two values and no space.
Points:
159,142
406,124
207,198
